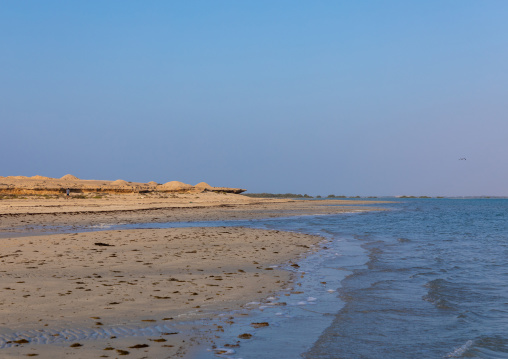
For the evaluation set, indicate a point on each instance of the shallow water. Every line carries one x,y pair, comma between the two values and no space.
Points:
427,279
435,284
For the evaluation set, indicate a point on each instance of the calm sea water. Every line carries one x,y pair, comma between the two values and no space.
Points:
435,284
428,279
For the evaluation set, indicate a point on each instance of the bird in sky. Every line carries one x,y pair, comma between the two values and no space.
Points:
462,159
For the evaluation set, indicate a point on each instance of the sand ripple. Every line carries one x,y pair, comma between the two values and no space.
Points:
69,335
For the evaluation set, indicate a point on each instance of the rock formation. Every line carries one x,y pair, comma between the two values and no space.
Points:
69,178
21,185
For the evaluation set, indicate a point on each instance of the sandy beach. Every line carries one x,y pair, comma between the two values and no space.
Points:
38,214
105,283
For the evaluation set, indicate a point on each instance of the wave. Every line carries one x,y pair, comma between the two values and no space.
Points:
460,350
441,293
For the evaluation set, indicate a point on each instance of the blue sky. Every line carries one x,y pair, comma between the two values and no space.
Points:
319,97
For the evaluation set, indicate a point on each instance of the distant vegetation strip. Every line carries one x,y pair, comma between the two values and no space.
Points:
332,196
291,195
277,195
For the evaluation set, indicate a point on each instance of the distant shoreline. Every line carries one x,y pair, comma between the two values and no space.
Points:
306,196
19,214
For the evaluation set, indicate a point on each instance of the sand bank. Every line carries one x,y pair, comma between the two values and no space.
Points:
36,214
99,280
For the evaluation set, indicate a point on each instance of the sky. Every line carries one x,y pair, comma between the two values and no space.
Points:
368,98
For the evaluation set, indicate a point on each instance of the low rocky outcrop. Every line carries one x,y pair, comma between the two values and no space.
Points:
21,185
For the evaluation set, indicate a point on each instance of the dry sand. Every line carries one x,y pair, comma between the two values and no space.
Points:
153,277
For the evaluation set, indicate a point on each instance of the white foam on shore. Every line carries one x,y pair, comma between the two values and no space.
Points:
307,308
222,351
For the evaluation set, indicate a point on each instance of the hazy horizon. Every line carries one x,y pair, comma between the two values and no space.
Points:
332,97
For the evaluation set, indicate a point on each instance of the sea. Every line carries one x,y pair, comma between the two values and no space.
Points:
428,278
425,278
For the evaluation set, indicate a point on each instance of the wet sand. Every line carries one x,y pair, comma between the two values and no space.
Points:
103,279
106,283
37,214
